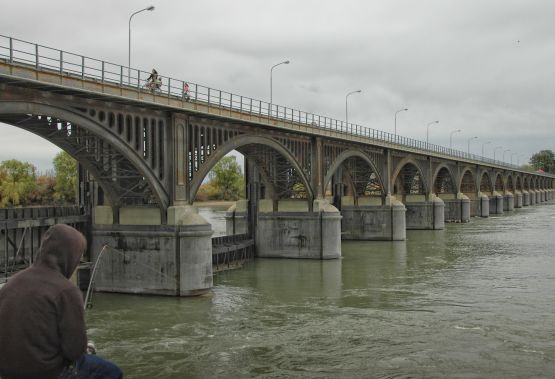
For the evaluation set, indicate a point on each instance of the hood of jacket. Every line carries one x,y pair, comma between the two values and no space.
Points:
61,249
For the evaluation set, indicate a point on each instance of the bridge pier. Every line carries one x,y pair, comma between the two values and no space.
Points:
525,198
518,199
369,220
146,257
496,203
481,205
294,232
422,214
457,207
508,202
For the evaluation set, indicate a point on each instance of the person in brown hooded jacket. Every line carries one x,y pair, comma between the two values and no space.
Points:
42,317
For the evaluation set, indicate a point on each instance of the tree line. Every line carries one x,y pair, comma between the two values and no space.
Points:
20,185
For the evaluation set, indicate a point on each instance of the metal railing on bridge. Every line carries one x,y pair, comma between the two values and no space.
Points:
15,51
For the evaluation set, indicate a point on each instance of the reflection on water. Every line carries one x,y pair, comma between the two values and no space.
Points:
473,301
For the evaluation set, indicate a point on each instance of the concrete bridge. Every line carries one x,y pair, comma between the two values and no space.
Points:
311,180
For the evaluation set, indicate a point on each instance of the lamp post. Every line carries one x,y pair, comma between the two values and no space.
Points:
428,130
512,157
150,8
504,151
451,137
400,110
494,150
470,139
484,144
346,108
271,79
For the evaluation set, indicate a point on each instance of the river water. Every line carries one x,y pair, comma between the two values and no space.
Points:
476,300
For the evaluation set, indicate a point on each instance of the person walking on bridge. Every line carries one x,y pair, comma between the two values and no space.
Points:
42,317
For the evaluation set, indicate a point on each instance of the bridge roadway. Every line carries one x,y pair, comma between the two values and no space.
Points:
310,180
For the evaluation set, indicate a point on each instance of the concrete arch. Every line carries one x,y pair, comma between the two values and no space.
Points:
451,176
404,162
37,108
499,182
346,155
509,183
518,183
488,182
242,140
526,183
462,182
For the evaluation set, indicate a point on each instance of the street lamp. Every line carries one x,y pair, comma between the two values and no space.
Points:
428,130
346,109
512,157
470,139
451,137
485,143
504,151
494,150
271,72
150,8
400,110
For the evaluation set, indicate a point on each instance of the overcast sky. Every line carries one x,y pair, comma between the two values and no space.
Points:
485,67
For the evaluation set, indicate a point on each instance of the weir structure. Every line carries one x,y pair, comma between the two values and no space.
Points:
311,180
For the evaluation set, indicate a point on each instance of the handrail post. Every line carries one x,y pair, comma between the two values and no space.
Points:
82,67
139,80
169,87
36,56
102,71
196,92
61,62
121,76
11,50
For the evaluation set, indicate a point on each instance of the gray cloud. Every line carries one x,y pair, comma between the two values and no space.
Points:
456,61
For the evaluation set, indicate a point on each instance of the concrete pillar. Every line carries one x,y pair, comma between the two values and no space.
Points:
236,218
484,205
508,202
369,220
518,199
422,214
525,198
465,207
102,215
439,212
496,203
294,232
173,259
457,207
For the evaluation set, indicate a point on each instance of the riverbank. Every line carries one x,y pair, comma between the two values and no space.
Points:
213,204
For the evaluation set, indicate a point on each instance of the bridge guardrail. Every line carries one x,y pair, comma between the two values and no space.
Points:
15,51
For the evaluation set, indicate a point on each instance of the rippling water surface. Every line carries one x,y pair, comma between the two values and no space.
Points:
476,300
